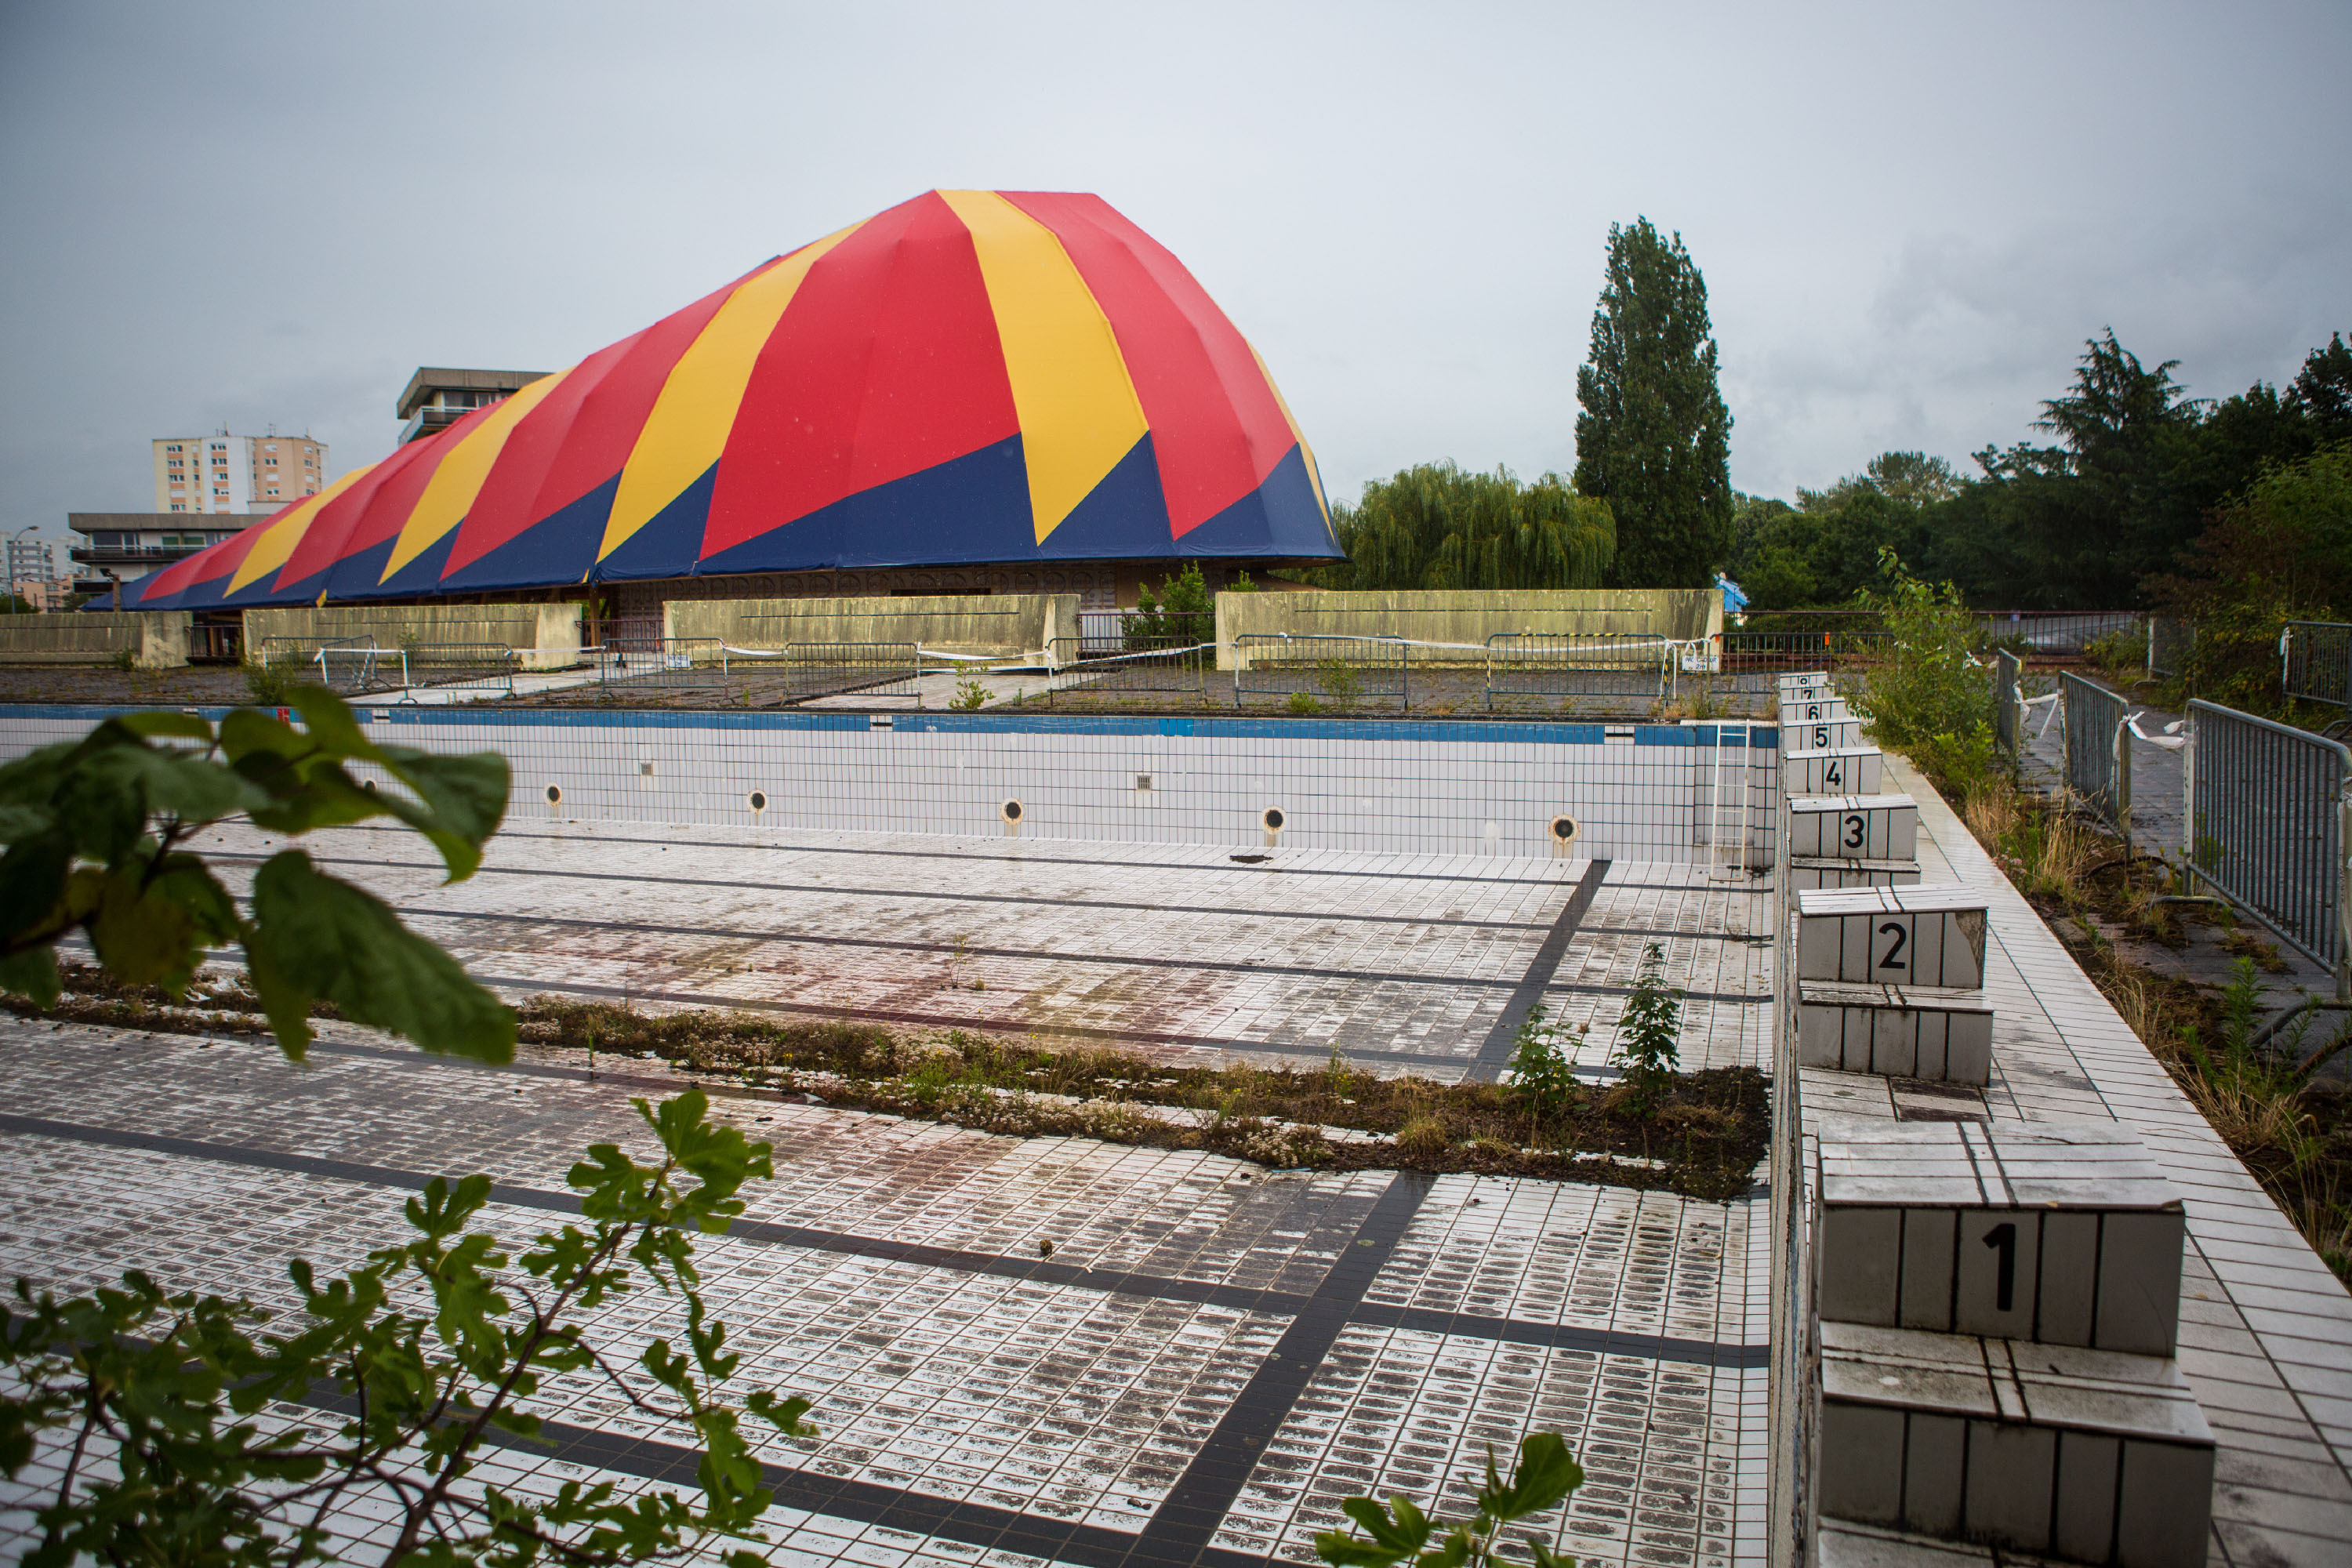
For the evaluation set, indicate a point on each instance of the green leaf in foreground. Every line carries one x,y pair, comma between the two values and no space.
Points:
1544,1477
96,834
320,937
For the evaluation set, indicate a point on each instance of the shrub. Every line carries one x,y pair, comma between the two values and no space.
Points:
1185,613
1928,697
273,685
1541,1068
1649,1032
1340,682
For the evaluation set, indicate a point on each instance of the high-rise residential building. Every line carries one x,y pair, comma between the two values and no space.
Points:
33,572
237,473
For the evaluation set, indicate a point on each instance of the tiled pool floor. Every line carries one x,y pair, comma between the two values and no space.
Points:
1213,1355
1181,950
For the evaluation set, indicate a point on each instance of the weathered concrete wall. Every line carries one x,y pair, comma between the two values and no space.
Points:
547,635
996,625
155,639
1470,617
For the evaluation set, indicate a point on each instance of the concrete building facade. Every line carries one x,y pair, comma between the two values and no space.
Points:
32,567
438,397
124,546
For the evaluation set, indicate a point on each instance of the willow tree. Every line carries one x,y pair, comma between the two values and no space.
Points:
1434,526
1655,438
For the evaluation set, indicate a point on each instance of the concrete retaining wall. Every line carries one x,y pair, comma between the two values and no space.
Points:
997,625
155,639
547,635
1470,617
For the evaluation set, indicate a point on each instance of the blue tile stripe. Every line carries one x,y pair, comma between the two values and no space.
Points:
1439,731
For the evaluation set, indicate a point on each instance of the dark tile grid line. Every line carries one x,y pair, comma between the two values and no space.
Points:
1403,1412
1037,1272
1495,1052
1065,1406
1180,1531
1033,851
1187,1214
915,895
1183,1530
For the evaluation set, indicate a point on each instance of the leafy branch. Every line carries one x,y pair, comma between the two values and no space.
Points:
1544,1477
159,1391
95,832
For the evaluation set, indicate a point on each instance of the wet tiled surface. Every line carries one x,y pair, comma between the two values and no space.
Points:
1177,950
1130,1394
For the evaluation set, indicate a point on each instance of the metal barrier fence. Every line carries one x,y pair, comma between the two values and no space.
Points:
759,676
801,672
2008,695
2168,645
1344,672
2098,751
358,664
1818,636
658,664
1622,666
1770,652
2054,634
1092,666
2266,827
2315,662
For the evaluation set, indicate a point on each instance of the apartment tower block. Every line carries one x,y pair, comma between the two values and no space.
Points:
227,473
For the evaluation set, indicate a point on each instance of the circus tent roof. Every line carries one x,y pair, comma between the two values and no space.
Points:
969,376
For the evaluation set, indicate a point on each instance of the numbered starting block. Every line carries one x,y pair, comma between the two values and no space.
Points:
1851,771
2057,1452
1930,934
1807,873
1829,735
1813,710
2057,1232
1919,1032
1855,826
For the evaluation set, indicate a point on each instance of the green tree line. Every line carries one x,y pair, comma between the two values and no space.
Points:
2109,514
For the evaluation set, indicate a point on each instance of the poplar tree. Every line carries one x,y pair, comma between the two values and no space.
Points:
1655,438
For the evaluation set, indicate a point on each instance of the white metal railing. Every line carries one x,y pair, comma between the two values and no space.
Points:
2267,828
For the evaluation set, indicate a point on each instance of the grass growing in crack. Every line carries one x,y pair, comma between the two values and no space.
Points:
1702,1136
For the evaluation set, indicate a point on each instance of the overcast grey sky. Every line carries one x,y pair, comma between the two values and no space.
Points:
1908,217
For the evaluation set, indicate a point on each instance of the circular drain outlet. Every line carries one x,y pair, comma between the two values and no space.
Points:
554,794
1010,811
1273,818
757,800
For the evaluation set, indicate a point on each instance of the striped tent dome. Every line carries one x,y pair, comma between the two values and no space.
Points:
971,376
